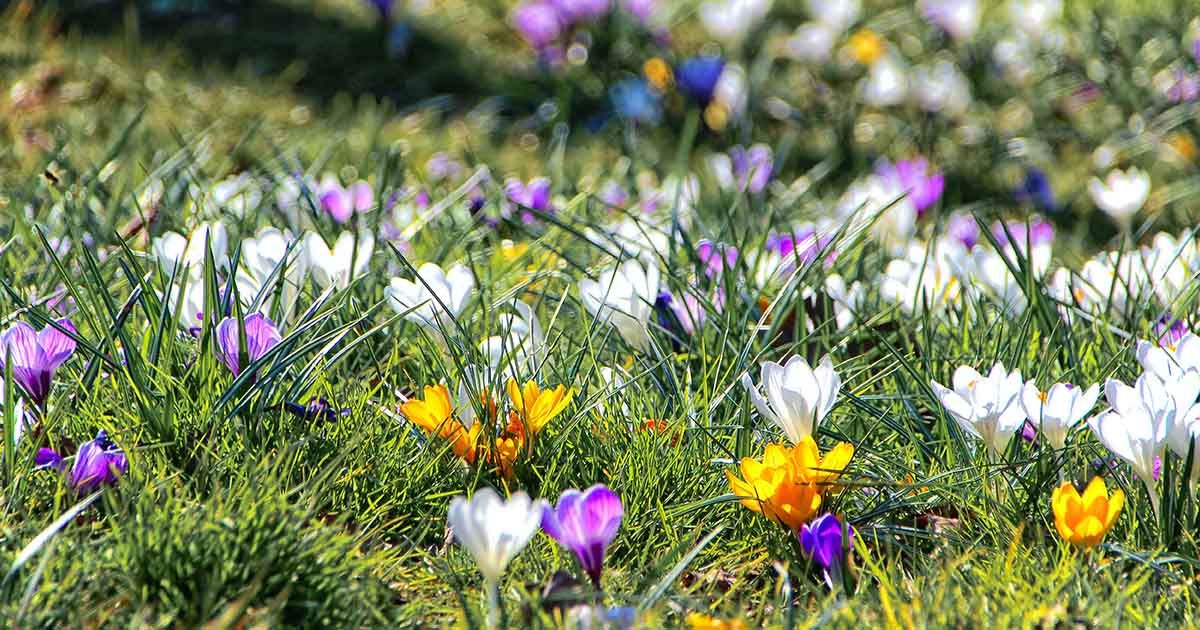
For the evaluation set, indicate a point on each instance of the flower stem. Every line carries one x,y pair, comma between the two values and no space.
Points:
493,604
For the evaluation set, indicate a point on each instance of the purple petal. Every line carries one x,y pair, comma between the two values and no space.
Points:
227,344
47,458
363,196
57,346
337,204
261,336
602,513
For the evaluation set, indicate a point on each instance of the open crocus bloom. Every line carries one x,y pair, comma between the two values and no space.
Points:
985,407
624,297
176,252
1084,520
1057,410
272,259
98,462
36,355
537,407
339,266
787,485
435,416
1121,194
261,336
1136,428
435,298
341,203
494,530
797,396
586,523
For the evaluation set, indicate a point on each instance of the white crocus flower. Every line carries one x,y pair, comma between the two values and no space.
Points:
1057,410
624,297
271,259
1121,194
886,83
173,250
494,531
959,18
941,88
1137,426
797,396
811,43
986,407
1171,362
838,15
521,339
433,296
1185,436
847,300
729,21
339,266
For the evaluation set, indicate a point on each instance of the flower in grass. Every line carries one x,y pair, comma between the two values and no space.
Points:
1059,409
538,22
1084,520
340,202
827,540
1121,194
701,621
317,409
97,463
729,21
1035,189
987,407
959,18
177,252
787,484
797,396
261,336
716,257
1170,331
435,298
916,177
743,170
272,259
36,355
493,530
1172,361
537,407
963,229
624,296
636,102
534,196
866,47
688,309
585,523
434,414
339,266
697,77
1137,425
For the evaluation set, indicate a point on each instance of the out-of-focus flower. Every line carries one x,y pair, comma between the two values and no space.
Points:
729,21
35,356
701,621
923,184
636,102
97,463
926,277
812,42
743,170
866,47
494,530
658,73
1170,332
534,196
1137,426
1035,188
697,77
987,407
716,257
787,485
964,229
827,541
886,83
1084,521
885,205
941,88
839,15
585,523
382,7
538,22
623,296
536,407
1034,18
1121,194
1059,409
173,250
959,18
797,396
522,340
643,10
1185,87
435,298
261,336
729,98
340,266
341,203
577,11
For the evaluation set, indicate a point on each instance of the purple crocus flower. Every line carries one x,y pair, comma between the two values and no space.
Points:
690,312
383,7
697,77
97,463
643,10
1039,232
1170,330
261,336
964,229
538,22
318,409
752,167
716,256
1029,432
585,523
825,539
529,197
47,458
923,183
36,355
341,203
1185,88
576,11
1035,188
803,244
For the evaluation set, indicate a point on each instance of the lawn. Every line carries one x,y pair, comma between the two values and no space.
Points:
578,313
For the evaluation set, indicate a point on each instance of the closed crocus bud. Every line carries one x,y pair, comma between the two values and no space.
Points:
494,530
261,336
987,407
98,462
826,540
347,260
624,297
797,396
35,355
1137,426
1059,409
585,523
178,253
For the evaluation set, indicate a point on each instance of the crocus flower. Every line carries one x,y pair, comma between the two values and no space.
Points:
959,18
689,309
1137,426
318,409
1035,188
788,484
697,77
36,355
1059,409
797,396
963,229
261,336
537,407
922,183
341,203
434,414
1170,331
272,259
744,170
1084,521
585,523
1170,362
827,540
577,11
98,462
433,299
623,296
716,256
985,407
729,21
636,102
174,251
347,260
494,530
1121,194
538,22
529,197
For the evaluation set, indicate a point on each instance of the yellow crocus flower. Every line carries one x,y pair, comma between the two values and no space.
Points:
866,47
787,485
537,407
1084,521
434,414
